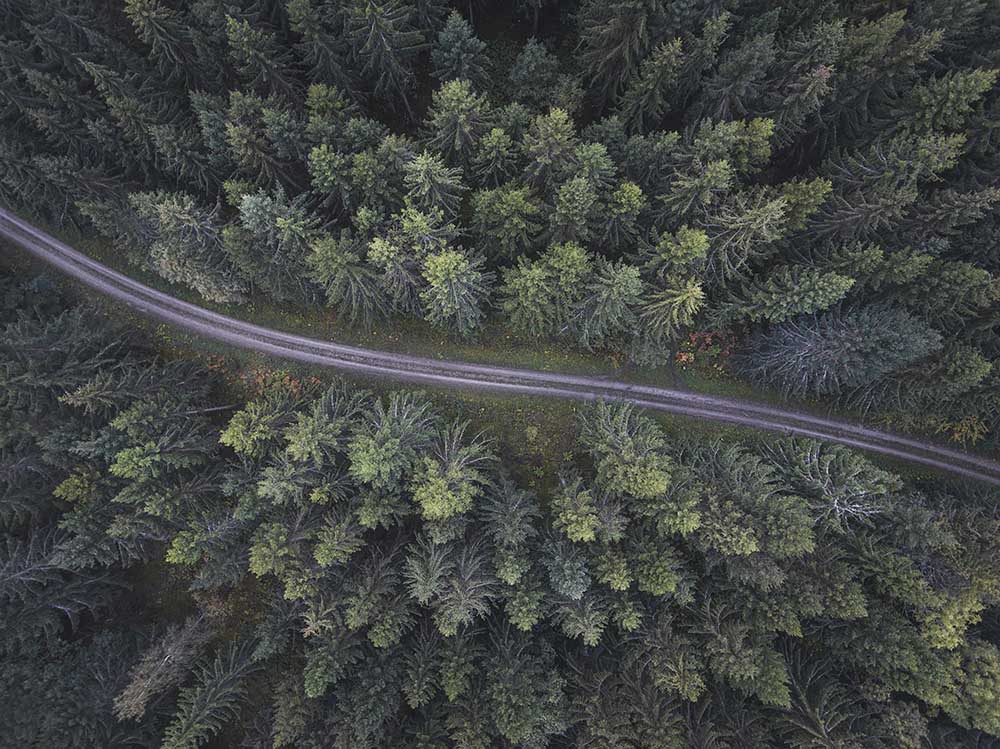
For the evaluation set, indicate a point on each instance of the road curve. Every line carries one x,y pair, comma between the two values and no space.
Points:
396,366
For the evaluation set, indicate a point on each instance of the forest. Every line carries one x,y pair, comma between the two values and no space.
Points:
816,180
197,555
360,570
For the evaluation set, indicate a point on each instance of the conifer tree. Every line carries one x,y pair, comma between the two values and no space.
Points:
260,60
837,350
527,298
214,699
457,291
384,41
458,53
431,186
505,220
457,121
644,102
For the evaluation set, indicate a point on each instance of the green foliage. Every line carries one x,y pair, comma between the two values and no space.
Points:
838,350
458,53
213,700
456,291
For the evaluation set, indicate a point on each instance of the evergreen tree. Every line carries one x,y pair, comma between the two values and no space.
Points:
383,42
259,59
458,53
214,699
505,221
431,186
787,293
644,102
456,122
527,298
837,350
457,291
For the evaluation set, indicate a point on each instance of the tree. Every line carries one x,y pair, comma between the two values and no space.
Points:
259,60
496,159
168,37
575,510
571,216
946,102
788,292
644,101
163,666
458,53
628,450
383,42
214,699
569,267
607,308
188,247
527,298
432,186
837,350
352,287
505,220
549,147
537,82
457,290
271,242
457,121
386,444
448,482
322,47
524,689
614,39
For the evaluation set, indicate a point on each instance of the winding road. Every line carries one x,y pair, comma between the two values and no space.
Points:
234,332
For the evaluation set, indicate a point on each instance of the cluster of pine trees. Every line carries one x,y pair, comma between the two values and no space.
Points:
819,177
406,590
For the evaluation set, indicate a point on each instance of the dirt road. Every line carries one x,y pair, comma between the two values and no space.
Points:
413,369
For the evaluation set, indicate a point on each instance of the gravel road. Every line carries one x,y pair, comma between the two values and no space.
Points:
414,369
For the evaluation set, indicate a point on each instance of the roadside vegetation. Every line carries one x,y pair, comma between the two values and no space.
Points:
813,183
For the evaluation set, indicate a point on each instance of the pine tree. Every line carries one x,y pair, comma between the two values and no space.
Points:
527,299
628,450
188,246
352,287
496,159
163,666
271,242
549,147
214,699
645,100
607,308
260,60
386,444
168,36
457,121
573,212
570,267
787,293
384,41
739,80
323,47
614,39
945,103
505,221
458,53
457,291
432,186
837,350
